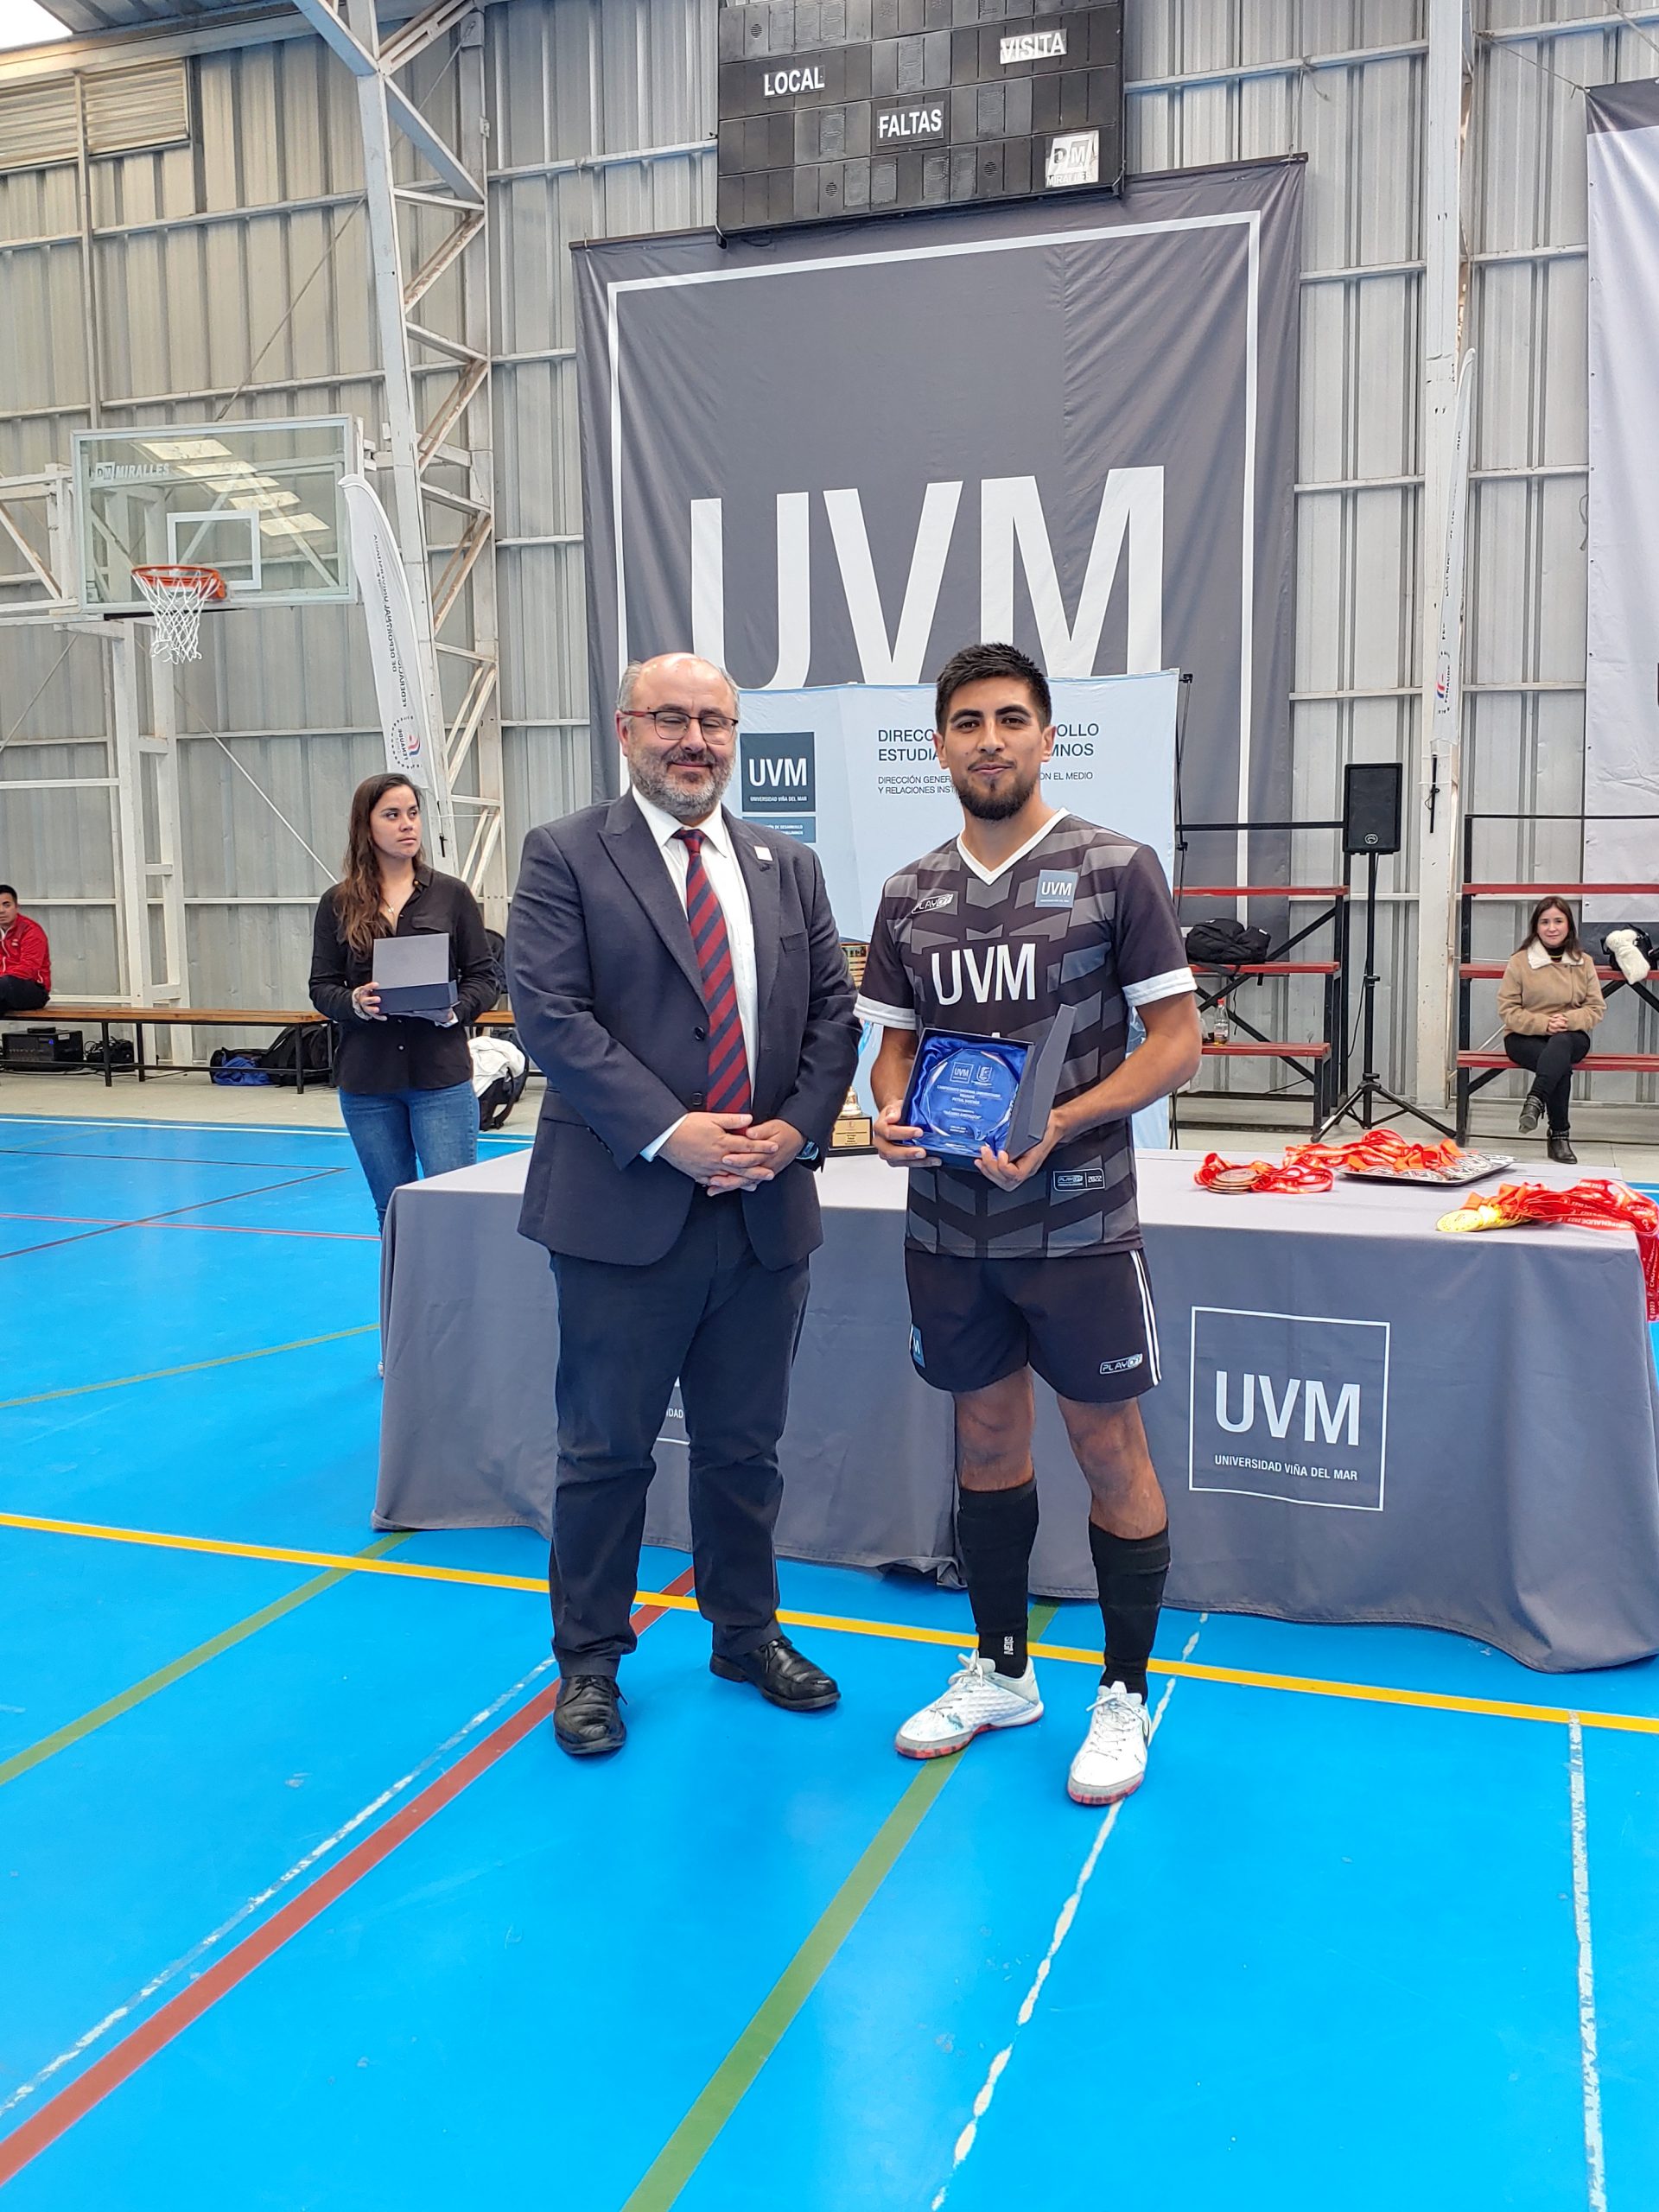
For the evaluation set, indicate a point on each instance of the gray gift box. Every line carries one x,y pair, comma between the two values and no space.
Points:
412,974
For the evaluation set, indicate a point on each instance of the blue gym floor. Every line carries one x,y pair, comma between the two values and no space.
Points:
300,1907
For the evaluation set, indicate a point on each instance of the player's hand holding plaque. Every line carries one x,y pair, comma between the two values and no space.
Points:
965,1092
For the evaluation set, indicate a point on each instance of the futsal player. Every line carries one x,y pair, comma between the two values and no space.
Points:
1034,1263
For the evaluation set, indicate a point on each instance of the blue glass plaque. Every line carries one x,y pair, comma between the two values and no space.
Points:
961,1092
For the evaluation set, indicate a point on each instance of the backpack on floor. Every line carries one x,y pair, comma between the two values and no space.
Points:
499,1074
301,1044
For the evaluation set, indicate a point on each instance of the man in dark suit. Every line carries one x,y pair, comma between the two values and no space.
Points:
680,981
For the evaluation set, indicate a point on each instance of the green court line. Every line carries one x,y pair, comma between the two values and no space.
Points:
75,1732
689,2144
194,1367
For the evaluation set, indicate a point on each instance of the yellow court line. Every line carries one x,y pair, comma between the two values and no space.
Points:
1636,1724
194,1367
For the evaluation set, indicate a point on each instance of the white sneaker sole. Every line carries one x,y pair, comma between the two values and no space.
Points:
960,1743
1081,1796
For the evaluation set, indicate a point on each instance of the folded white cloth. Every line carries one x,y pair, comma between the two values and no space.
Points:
1627,952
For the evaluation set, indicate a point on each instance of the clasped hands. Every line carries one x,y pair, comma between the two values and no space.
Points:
896,1143
731,1152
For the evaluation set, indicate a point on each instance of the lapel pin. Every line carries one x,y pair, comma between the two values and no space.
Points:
763,854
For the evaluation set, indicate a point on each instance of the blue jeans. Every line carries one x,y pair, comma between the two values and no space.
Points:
391,1129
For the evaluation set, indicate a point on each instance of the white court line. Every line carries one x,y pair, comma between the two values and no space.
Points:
970,2134
202,1128
1596,2173
189,1964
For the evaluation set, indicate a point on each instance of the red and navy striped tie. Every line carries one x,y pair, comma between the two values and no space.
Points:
728,1063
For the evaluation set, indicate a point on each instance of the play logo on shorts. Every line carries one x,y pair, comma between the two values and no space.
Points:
1289,1406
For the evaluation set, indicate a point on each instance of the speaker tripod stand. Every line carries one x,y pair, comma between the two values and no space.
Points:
1360,1105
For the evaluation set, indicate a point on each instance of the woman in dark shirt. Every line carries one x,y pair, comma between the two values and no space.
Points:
405,1081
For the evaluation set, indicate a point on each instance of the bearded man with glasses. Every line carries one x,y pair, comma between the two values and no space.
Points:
680,983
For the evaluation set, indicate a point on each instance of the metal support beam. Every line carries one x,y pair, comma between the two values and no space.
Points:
456,435
127,810
358,47
402,429
486,869
1447,79
173,988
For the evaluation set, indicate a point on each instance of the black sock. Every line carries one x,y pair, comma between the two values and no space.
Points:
1130,1572
996,1530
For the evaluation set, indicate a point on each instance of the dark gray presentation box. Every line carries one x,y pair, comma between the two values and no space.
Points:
412,974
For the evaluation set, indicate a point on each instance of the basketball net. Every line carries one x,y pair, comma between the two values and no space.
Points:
177,595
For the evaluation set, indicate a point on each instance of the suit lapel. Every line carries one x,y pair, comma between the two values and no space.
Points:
765,909
640,864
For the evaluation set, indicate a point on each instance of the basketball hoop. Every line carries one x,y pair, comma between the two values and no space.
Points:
177,595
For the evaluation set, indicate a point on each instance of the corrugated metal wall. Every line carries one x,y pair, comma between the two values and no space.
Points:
230,275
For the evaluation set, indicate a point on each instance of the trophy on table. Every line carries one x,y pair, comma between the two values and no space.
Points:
852,1131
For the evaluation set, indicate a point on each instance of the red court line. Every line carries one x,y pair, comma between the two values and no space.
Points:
215,1228
171,1214
60,2112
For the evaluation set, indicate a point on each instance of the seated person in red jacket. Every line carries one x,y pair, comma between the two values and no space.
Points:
25,960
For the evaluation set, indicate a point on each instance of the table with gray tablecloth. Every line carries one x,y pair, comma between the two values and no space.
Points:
1359,1418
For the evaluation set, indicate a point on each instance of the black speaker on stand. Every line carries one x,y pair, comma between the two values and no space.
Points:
1371,795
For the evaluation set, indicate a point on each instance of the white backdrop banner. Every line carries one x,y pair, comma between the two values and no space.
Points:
850,768
1621,741
399,695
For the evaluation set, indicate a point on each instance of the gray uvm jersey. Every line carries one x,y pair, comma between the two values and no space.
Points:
1082,917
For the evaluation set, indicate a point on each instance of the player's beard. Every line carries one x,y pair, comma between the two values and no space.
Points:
997,806
653,780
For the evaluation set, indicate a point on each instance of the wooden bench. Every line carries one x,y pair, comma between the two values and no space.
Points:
1479,1065
66,1012
1495,1064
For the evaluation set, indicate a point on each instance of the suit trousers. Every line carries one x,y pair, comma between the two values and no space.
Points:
710,1315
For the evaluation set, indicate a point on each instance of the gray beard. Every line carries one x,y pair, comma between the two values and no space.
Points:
994,807
651,779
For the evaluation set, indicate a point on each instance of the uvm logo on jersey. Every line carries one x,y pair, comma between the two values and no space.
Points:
986,972
1056,888
780,786
1289,1406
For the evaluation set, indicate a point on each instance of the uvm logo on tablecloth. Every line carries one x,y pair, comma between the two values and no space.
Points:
780,786
1289,1406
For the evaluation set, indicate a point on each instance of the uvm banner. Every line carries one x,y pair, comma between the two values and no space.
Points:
851,770
1621,736
834,459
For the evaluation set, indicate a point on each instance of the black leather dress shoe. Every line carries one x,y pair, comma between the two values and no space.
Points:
1561,1152
586,1721
781,1675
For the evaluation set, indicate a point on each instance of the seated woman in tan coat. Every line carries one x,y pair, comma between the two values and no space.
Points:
1548,1001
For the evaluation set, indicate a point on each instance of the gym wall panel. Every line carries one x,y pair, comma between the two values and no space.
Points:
235,270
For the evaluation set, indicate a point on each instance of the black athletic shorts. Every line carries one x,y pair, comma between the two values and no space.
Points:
1084,1324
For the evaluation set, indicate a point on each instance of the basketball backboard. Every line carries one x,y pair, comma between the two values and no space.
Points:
259,501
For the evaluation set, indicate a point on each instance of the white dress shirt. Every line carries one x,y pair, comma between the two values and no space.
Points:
726,880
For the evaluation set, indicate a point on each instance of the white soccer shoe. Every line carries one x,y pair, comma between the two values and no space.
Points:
1112,1763
976,1697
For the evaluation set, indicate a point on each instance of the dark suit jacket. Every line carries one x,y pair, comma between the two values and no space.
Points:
608,1000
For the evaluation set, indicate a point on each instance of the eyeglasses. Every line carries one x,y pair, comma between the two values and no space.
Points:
674,722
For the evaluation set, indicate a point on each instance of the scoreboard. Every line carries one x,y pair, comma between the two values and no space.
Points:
831,108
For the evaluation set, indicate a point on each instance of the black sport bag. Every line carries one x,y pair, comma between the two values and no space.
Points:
1225,944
